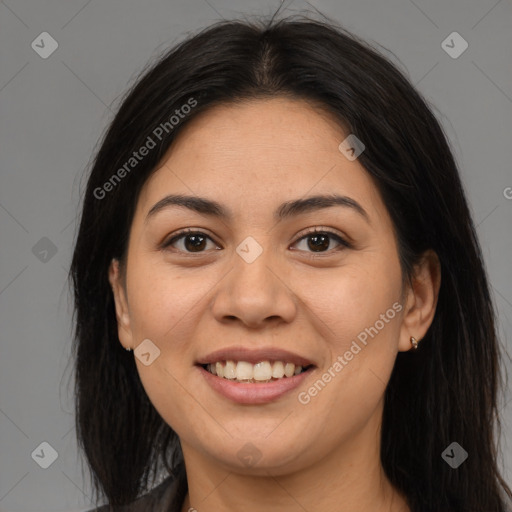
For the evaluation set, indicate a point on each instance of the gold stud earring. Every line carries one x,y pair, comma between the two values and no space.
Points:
414,342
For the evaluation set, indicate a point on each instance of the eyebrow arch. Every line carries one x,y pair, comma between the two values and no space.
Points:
285,210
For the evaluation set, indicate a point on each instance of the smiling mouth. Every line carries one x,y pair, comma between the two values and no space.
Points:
262,372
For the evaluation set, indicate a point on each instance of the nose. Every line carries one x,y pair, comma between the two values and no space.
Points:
256,293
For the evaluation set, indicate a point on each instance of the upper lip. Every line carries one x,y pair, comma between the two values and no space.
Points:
254,356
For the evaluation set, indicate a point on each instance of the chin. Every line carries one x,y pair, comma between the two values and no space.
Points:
257,455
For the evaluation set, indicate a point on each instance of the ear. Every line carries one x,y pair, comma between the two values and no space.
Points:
421,300
122,312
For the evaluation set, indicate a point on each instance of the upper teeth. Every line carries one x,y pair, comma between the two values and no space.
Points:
244,371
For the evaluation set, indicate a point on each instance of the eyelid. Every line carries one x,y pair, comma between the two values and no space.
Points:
343,239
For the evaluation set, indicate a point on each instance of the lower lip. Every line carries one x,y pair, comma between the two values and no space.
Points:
254,393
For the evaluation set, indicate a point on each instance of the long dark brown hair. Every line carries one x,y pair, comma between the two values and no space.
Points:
444,392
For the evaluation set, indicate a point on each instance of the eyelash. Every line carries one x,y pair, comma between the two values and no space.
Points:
343,243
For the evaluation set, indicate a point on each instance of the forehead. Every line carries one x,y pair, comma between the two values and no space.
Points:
282,126
254,154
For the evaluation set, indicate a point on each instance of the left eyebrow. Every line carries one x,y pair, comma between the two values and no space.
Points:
287,209
312,203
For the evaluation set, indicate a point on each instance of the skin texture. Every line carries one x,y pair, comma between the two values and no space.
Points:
251,157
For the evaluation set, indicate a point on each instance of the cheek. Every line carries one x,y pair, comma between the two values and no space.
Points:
162,302
360,318
164,305
354,300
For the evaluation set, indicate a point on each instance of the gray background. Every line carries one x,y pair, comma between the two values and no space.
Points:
53,111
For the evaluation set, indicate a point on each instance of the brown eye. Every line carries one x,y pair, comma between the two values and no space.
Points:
319,241
193,241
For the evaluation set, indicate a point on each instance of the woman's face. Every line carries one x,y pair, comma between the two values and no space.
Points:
256,286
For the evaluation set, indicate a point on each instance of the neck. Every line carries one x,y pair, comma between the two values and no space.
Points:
349,478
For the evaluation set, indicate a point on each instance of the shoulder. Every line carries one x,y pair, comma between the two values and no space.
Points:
165,496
